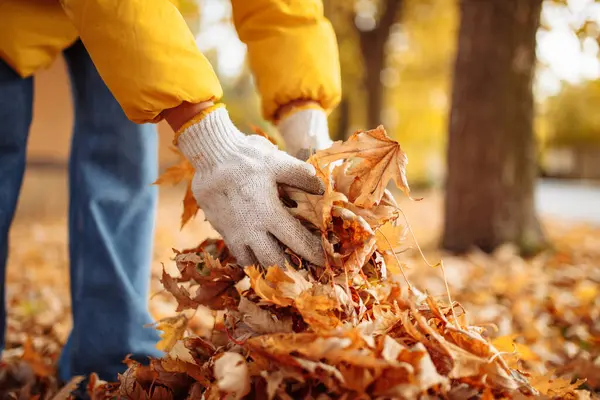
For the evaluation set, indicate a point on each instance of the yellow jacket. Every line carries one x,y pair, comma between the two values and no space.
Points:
148,57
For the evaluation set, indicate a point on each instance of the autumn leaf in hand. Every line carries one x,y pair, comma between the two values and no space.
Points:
174,175
382,160
313,208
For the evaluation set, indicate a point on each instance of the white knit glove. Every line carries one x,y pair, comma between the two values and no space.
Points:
304,132
236,186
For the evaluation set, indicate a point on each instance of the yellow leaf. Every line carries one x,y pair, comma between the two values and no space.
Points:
506,344
550,386
586,291
173,329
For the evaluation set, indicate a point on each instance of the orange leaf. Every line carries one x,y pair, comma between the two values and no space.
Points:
178,172
190,206
264,134
382,160
36,360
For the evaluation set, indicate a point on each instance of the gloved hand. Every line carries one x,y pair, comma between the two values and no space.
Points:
304,131
235,185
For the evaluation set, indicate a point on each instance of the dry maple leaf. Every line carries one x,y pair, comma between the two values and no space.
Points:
313,208
382,160
172,329
181,294
182,171
261,320
278,286
317,311
65,392
548,385
215,281
190,206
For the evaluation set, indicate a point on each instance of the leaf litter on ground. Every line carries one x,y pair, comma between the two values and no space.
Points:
353,328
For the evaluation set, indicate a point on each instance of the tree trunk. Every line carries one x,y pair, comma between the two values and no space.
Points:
372,47
491,151
343,110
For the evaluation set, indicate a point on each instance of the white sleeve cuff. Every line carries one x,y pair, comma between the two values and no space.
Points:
210,141
305,130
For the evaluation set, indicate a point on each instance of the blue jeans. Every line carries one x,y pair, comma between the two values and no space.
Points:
112,205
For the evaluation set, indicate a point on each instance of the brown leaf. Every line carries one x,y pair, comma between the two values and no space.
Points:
129,387
215,282
65,392
174,373
262,321
161,393
382,160
196,392
180,293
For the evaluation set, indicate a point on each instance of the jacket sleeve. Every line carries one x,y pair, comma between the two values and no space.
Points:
145,53
292,51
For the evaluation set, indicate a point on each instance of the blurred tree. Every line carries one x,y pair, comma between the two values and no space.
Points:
491,151
417,79
373,24
362,29
573,117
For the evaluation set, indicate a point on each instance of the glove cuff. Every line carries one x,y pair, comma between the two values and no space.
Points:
210,141
305,130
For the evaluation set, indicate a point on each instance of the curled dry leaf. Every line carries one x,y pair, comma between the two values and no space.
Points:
277,286
231,372
183,171
262,321
382,160
190,206
348,329
318,311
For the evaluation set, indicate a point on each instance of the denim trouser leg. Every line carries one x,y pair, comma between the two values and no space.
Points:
16,98
111,227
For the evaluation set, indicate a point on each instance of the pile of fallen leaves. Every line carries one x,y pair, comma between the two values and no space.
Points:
353,328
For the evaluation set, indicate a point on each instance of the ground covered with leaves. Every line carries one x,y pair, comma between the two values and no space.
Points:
378,321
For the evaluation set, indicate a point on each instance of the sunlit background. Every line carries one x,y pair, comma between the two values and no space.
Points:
413,55
416,75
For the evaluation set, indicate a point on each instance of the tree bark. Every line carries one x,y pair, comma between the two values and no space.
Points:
372,47
491,151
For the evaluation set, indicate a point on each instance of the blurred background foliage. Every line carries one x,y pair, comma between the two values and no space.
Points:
397,58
